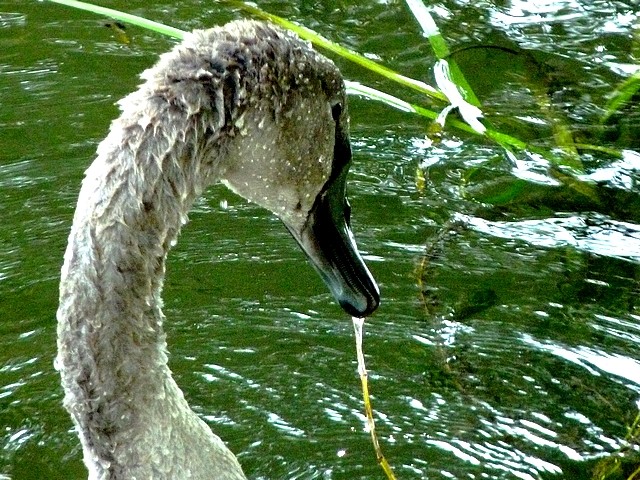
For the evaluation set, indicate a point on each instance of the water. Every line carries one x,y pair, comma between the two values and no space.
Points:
510,352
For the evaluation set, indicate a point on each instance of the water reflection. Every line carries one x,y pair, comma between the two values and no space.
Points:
523,12
594,360
592,233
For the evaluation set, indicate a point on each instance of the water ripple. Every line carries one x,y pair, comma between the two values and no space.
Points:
593,233
616,327
593,360
12,19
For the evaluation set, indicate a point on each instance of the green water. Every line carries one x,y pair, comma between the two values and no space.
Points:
516,359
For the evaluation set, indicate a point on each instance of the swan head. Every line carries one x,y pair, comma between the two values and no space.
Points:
288,150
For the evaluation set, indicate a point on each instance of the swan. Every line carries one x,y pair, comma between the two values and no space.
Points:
246,104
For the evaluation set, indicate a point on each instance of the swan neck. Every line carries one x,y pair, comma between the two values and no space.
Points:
112,356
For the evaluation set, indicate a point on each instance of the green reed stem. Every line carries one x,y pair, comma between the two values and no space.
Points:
125,17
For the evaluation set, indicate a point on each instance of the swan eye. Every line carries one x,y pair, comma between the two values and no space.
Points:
336,111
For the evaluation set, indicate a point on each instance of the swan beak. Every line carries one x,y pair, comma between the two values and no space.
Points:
327,240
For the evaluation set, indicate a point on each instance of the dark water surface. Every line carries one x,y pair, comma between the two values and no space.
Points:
509,352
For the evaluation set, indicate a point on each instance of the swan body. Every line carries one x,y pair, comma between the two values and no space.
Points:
246,104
